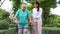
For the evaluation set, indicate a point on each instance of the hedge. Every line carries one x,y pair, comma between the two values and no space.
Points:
8,31
3,31
12,25
4,24
46,30
12,30
51,30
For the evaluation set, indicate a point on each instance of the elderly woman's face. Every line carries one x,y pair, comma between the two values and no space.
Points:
23,7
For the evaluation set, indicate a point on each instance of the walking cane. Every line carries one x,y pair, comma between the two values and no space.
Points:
16,29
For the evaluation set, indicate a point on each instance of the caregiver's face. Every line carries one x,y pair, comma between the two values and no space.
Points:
23,7
35,5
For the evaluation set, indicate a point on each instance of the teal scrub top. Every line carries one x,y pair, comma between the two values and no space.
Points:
23,17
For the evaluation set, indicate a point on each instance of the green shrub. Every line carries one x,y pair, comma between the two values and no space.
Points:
4,24
3,31
12,30
12,25
0,17
8,31
1,11
52,21
5,15
51,30
45,30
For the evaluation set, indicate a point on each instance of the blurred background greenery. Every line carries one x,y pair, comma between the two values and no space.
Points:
48,20
51,22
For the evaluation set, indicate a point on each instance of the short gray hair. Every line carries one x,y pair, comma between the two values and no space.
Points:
23,5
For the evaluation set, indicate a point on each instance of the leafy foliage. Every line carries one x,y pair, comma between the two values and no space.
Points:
16,4
5,15
50,30
53,21
1,10
8,31
46,5
5,20
4,24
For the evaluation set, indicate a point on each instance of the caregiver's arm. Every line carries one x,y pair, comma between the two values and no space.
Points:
30,20
29,16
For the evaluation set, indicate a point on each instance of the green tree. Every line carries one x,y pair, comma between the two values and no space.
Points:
32,4
1,10
16,4
46,5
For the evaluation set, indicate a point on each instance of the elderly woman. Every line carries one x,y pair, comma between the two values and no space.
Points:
22,17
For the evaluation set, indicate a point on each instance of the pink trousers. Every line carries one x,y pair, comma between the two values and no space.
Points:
37,26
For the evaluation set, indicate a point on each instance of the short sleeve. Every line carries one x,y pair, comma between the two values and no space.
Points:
41,10
17,13
28,14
